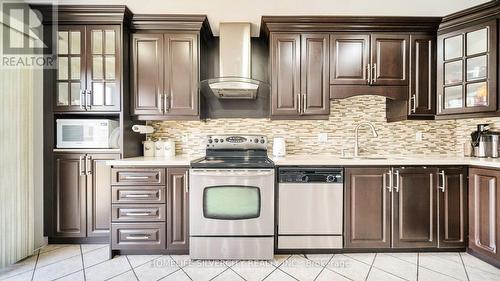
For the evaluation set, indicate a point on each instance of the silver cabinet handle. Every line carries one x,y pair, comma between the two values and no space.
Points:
137,237
88,100
140,214
413,102
88,168
136,196
368,74
389,184
166,103
374,75
136,177
443,178
397,181
304,103
160,102
186,184
299,103
82,97
80,165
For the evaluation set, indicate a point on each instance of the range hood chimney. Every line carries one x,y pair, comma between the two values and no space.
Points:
234,81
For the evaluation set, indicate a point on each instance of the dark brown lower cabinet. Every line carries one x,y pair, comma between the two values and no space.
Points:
153,213
367,208
414,208
99,194
178,210
83,195
452,207
70,184
405,207
484,209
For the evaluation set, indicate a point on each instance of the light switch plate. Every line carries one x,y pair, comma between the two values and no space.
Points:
323,137
419,136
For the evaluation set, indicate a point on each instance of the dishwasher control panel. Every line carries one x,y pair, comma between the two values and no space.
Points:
306,175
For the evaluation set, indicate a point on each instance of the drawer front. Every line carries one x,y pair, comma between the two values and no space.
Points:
138,194
150,176
138,236
138,212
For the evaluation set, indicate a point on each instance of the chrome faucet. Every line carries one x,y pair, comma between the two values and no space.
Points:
356,145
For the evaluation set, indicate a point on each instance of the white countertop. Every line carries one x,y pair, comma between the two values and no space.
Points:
334,160
141,161
319,160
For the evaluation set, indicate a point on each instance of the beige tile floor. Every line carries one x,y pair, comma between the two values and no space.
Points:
91,262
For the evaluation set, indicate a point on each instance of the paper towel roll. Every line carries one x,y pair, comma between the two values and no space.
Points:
142,129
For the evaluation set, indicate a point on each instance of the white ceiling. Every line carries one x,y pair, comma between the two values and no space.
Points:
252,10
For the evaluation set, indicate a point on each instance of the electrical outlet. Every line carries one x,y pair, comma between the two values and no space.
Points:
419,136
323,137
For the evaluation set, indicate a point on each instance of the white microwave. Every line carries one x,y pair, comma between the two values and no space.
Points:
87,133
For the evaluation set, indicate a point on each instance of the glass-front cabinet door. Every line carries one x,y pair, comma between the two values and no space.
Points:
467,70
70,73
103,68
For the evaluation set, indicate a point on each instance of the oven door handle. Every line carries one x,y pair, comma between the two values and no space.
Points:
233,172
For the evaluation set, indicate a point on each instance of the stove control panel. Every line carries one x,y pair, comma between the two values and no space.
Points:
239,142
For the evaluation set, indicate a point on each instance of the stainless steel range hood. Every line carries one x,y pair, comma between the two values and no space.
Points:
234,80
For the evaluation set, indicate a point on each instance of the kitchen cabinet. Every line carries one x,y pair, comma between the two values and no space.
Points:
414,208
405,207
484,209
422,95
367,208
299,75
369,59
89,68
452,207
150,208
83,194
178,210
467,69
165,74
99,194
70,185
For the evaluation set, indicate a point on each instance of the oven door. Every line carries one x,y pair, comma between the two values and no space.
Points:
235,202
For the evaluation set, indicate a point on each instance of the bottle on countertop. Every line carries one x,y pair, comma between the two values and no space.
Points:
148,147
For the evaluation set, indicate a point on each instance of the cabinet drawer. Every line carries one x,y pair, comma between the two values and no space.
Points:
138,212
138,236
150,176
138,194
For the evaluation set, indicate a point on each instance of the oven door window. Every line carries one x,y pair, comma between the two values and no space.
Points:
231,202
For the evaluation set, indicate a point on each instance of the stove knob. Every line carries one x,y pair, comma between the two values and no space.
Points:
305,179
330,178
221,140
210,141
216,140
262,141
256,140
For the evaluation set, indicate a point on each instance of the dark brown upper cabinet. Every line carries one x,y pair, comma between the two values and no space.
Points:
88,74
414,208
422,93
377,59
484,209
467,70
299,75
349,59
165,74
452,207
367,208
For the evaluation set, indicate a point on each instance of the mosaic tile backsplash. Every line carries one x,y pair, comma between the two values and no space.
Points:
443,137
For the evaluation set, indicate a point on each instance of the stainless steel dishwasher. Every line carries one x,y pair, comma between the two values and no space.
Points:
310,208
